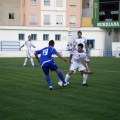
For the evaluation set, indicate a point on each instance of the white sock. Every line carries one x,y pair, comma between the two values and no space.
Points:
85,76
31,59
25,62
67,77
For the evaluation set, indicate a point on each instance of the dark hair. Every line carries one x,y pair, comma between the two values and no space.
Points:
80,45
29,36
51,42
79,32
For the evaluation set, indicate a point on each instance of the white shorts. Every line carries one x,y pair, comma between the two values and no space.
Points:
28,53
75,67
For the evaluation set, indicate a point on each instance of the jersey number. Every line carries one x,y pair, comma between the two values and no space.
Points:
45,52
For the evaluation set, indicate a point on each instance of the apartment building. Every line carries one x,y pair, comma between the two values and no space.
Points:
10,12
55,13
42,19
65,13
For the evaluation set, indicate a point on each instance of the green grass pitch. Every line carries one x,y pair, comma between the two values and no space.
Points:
24,94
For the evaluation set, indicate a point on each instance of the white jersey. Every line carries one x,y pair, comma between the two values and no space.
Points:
28,45
80,40
28,48
78,58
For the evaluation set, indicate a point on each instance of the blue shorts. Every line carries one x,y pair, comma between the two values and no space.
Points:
49,66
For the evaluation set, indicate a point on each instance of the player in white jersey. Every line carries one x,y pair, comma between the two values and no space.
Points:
82,40
28,45
77,58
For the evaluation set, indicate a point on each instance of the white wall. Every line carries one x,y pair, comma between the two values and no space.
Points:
115,45
116,48
23,53
10,33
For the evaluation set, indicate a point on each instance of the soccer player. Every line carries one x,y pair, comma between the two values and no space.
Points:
28,44
77,58
47,63
82,40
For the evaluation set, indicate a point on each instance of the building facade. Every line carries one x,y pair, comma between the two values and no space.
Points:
64,13
10,13
53,19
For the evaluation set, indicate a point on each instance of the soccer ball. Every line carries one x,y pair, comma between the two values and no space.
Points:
60,83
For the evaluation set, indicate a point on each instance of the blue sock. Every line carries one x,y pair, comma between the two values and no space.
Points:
48,81
60,75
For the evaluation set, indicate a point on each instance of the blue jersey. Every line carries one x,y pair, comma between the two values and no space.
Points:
46,54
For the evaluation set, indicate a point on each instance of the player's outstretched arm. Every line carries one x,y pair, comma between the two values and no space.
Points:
21,47
36,55
61,57
33,46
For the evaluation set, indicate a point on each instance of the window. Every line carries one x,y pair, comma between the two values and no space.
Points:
46,2
45,36
59,3
72,2
32,2
58,37
11,15
59,19
72,20
33,19
33,36
47,20
21,36
91,43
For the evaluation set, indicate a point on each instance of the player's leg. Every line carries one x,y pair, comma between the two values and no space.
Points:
73,68
67,77
46,72
25,62
85,74
60,75
31,58
26,59
89,68
88,64
32,62
54,67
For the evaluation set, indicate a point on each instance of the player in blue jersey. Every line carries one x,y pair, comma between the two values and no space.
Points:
47,63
